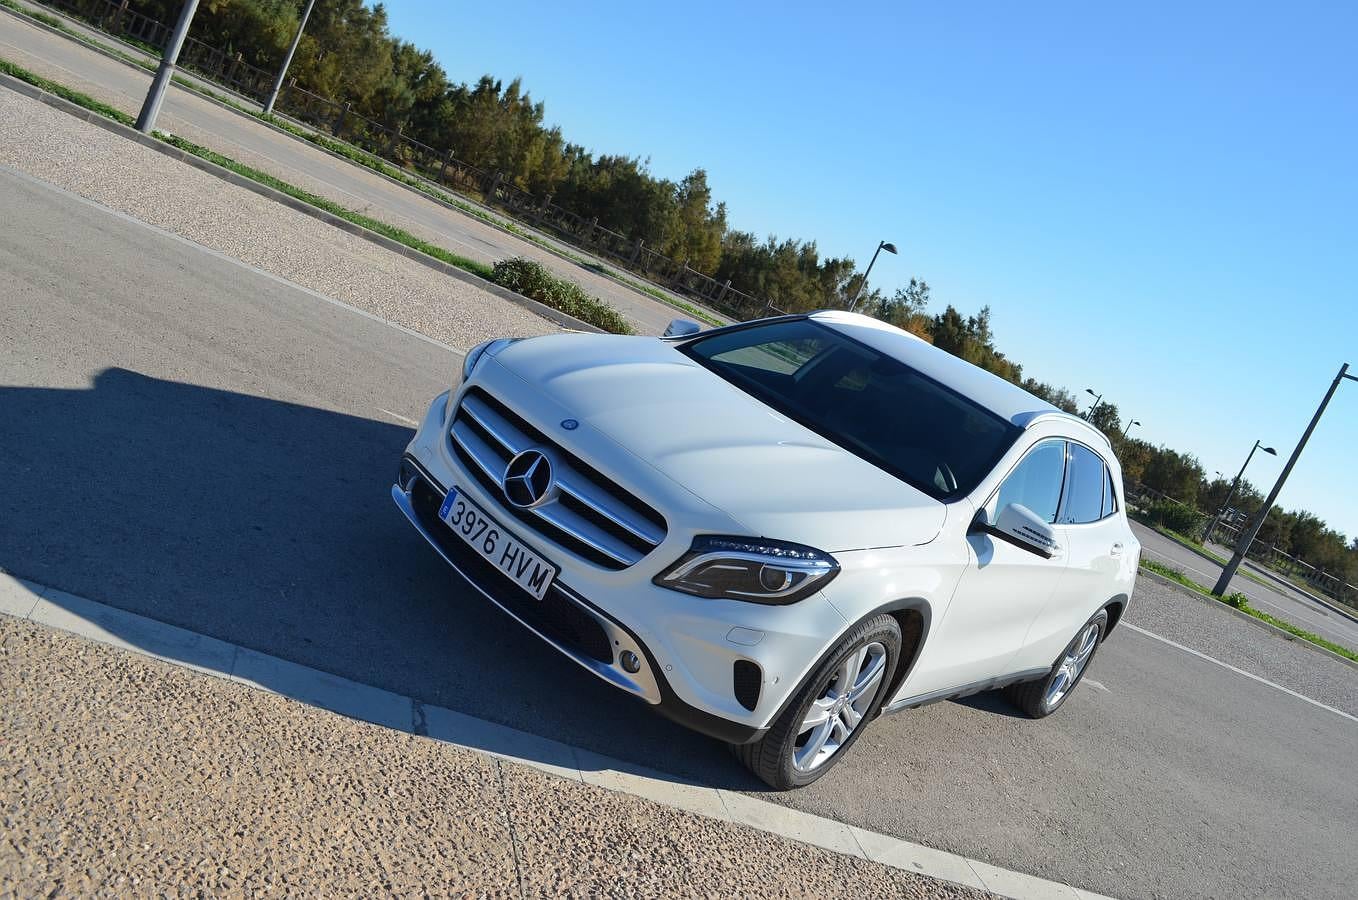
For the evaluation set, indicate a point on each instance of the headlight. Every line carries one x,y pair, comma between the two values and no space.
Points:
751,569
485,347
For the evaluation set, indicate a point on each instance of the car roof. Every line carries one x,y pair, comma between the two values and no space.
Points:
1006,399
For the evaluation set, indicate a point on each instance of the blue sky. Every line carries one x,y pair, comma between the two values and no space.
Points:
1156,201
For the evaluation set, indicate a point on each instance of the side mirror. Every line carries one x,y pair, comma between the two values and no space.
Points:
1018,525
682,328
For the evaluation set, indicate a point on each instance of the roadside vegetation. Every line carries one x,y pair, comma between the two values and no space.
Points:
1237,600
533,280
65,93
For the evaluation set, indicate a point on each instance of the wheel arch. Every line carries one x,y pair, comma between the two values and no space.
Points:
1115,607
914,615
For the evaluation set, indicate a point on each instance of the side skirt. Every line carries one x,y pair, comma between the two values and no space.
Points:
965,690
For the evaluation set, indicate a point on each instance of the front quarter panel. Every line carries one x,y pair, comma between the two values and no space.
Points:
896,578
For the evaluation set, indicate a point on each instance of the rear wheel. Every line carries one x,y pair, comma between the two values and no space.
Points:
1043,697
831,710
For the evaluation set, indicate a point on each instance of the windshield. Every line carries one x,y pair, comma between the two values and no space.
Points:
872,405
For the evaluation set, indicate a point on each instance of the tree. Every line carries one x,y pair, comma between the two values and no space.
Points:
1134,455
1105,418
1173,473
694,226
907,309
971,339
1058,397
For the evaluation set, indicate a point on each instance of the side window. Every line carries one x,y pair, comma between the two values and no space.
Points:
1036,481
1110,497
1086,481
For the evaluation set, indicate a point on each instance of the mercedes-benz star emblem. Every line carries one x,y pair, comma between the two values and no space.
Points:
528,479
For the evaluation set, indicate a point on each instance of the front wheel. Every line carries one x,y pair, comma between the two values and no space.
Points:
831,710
1043,697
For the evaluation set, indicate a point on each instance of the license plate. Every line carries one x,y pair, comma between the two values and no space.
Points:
496,545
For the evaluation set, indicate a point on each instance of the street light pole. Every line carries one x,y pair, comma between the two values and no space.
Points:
1246,539
1098,398
1225,504
287,60
1128,427
881,245
150,108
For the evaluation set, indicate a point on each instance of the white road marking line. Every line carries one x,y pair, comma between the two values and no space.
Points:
1097,685
1250,675
398,417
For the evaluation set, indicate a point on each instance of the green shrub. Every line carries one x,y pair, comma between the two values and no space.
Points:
1237,600
534,280
1186,521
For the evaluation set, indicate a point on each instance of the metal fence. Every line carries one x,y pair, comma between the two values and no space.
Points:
438,166
1266,554
1294,569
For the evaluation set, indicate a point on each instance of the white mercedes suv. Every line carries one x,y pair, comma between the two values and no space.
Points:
775,531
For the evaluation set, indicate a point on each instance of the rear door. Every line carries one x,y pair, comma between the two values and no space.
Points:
1003,588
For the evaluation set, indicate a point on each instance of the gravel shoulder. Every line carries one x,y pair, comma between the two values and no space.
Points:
122,775
100,166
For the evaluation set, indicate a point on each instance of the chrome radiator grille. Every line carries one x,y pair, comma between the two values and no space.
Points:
589,514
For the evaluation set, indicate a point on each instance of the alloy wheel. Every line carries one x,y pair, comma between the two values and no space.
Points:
840,708
1069,669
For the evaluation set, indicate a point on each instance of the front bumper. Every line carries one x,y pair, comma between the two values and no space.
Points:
564,619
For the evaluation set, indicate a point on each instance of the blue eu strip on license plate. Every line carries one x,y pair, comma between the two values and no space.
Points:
447,505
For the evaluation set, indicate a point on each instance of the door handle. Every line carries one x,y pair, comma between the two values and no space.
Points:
1116,549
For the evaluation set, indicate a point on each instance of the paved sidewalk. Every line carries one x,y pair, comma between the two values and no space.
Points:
124,775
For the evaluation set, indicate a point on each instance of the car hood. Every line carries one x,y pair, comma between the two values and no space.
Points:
774,476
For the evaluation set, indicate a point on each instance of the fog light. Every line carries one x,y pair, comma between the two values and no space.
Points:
630,662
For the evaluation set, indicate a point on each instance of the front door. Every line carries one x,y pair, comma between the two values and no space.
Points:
1003,588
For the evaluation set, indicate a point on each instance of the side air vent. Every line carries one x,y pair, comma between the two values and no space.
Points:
747,678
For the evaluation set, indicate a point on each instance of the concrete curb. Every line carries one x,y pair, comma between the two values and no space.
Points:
203,85
438,265
1263,573
105,624
1259,623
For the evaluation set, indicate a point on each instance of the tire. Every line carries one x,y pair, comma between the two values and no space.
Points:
783,759
1039,699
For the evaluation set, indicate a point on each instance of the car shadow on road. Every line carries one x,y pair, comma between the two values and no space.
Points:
992,702
268,524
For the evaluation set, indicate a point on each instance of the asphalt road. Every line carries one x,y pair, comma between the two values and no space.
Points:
185,438
250,141
1293,606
